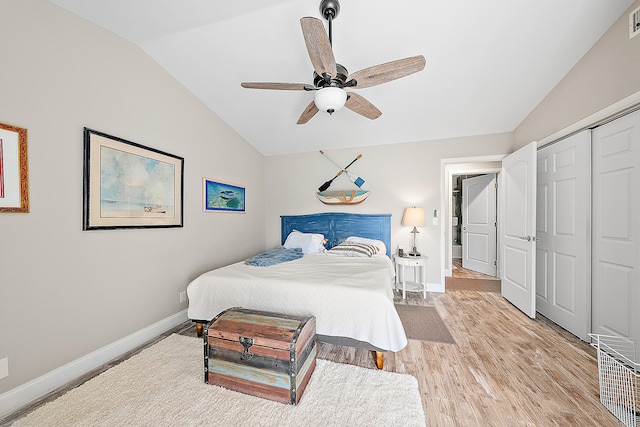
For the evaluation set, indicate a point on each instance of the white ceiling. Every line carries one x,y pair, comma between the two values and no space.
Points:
489,63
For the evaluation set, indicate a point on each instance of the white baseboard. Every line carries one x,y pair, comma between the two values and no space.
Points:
435,287
20,396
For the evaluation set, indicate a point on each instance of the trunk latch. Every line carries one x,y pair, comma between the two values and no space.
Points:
246,343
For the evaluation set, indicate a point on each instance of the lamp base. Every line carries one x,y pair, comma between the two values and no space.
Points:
414,251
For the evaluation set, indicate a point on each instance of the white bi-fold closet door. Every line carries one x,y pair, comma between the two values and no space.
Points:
563,253
588,230
616,228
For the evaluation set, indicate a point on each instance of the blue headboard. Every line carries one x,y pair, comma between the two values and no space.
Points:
337,226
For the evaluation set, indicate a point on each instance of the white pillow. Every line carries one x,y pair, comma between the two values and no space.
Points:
353,249
382,248
308,242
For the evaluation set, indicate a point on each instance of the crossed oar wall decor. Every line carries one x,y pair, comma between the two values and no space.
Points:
344,196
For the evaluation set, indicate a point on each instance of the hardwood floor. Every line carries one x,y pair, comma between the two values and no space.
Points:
469,280
505,370
459,272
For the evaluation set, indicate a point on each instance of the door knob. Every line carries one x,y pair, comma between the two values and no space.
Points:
527,238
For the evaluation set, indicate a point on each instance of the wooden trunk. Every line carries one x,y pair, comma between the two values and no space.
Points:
264,354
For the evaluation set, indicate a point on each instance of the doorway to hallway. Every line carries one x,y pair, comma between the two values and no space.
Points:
451,249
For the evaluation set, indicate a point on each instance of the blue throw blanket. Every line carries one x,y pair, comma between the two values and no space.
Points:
275,256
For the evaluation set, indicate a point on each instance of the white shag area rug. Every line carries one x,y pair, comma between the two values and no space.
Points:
164,386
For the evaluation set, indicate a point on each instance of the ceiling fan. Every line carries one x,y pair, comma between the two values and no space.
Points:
330,79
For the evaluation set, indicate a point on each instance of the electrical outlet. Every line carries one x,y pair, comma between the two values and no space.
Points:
4,368
183,296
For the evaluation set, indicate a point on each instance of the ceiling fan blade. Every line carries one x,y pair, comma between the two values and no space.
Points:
318,46
387,72
277,86
361,106
308,113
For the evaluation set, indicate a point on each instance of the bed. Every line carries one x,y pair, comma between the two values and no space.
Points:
351,297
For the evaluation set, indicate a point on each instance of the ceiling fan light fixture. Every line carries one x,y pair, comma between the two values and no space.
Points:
330,99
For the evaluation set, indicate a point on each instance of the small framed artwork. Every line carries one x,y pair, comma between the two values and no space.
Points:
222,197
14,170
128,185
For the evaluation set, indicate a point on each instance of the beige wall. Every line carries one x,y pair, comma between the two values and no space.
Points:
398,176
65,292
608,73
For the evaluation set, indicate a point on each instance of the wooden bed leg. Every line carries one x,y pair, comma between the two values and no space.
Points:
379,359
199,329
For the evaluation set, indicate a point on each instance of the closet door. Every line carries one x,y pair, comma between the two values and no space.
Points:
563,251
616,228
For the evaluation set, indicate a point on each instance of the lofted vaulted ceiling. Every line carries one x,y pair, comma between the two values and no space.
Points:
488,63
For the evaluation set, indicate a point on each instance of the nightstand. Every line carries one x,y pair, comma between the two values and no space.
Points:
419,283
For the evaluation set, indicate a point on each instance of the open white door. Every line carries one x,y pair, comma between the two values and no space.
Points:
517,228
479,224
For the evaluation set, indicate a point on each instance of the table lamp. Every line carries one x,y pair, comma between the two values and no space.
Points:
413,217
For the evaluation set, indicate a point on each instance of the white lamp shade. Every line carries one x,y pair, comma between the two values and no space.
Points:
413,217
330,99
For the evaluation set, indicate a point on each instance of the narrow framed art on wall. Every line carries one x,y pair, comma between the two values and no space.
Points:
222,197
14,170
128,185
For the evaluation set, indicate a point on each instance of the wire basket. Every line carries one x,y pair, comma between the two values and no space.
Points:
619,375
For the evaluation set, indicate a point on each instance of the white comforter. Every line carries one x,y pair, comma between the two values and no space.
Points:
350,297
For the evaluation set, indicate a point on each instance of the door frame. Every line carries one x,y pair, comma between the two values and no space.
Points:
450,167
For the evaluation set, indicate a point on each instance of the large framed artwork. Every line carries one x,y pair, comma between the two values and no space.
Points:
128,185
14,169
222,197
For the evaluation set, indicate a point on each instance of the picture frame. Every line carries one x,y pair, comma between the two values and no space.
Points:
222,197
128,185
14,170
